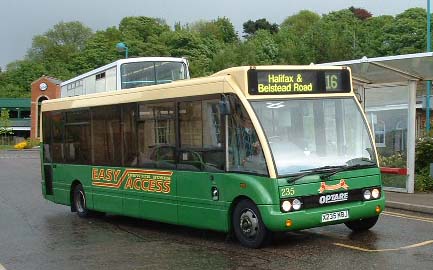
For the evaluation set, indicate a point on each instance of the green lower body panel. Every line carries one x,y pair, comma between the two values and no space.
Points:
275,220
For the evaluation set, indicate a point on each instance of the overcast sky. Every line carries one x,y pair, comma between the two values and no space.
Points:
20,20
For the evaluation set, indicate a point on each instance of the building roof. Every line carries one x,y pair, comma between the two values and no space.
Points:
51,79
15,102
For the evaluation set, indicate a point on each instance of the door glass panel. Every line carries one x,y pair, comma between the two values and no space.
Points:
387,114
156,136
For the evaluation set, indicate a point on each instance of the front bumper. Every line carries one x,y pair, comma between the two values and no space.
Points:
275,220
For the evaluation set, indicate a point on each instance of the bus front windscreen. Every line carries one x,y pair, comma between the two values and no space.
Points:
305,134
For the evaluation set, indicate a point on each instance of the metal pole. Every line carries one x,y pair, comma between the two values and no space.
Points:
427,115
126,50
410,182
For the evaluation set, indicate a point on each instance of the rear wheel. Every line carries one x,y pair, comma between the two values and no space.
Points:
248,226
80,201
362,224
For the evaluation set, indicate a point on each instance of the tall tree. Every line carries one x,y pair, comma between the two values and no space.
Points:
295,37
5,123
251,27
360,13
100,50
59,46
408,32
142,35
373,38
220,29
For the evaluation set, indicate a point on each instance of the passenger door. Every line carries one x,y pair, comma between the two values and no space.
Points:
200,158
150,188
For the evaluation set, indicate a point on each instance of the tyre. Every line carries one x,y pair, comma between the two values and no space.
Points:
80,201
362,224
248,226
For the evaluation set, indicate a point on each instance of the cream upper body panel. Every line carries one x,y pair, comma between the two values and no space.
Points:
178,89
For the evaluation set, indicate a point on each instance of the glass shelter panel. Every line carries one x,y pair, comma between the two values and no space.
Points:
387,113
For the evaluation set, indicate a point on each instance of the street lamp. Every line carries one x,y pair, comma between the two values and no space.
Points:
121,46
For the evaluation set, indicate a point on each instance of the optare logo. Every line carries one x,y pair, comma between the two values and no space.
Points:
332,198
324,187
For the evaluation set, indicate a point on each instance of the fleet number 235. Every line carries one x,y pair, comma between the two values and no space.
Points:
287,191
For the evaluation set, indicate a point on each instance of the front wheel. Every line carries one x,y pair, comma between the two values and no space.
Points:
248,225
80,201
362,224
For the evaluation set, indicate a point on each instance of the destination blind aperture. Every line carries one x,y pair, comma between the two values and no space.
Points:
283,82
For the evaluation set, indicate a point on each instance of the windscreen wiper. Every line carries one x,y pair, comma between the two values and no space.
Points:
304,173
347,168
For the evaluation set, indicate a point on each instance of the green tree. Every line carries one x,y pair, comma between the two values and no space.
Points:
221,30
295,37
58,47
19,76
143,35
251,27
99,50
335,37
408,32
373,40
5,123
228,56
64,37
260,49
184,43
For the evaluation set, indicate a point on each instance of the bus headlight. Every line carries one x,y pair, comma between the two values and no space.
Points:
286,206
375,193
296,204
367,194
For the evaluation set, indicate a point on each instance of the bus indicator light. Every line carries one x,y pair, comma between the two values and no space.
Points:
289,223
378,209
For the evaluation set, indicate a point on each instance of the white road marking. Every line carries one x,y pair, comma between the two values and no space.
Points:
2,267
429,242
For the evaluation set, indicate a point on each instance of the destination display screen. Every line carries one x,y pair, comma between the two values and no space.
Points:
284,82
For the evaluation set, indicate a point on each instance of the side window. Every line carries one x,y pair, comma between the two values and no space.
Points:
77,137
57,129
129,134
106,135
156,136
201,146
46,136
245,151
213,153
191,136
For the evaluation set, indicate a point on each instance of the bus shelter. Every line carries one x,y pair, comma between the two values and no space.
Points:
389,88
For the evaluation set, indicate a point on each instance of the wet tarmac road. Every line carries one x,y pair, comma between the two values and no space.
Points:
38,234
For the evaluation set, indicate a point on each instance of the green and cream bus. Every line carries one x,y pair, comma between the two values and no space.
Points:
248,150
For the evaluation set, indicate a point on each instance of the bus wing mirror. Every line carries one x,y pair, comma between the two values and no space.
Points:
225,106
358,96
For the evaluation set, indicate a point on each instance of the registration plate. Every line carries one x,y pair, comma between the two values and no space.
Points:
344,214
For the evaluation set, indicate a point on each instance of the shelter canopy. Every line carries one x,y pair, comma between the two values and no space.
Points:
390,69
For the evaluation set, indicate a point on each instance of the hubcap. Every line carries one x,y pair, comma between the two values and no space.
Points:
249,223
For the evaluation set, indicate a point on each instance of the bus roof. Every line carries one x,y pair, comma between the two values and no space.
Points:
120,62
